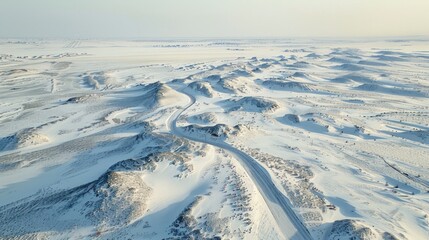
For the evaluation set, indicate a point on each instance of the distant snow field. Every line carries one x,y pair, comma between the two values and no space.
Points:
216,139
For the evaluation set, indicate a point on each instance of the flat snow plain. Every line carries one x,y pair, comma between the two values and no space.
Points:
257,139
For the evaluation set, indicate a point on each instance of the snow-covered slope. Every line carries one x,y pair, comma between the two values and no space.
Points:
192,140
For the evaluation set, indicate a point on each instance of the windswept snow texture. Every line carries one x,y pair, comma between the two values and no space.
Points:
191,140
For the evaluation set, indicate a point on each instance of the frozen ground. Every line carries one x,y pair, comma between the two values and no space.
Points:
214,139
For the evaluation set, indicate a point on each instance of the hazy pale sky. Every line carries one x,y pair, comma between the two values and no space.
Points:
212,18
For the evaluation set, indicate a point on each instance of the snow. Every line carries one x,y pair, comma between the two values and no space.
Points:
155,140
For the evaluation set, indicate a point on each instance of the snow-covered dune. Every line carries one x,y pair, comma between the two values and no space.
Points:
287,85
202,88
250,104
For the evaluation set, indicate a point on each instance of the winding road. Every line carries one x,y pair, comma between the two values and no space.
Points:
279,205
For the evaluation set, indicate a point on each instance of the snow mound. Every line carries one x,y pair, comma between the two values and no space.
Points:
242,73
312,122
158,95
218,130
349,67
354,229
123,197
304,77
235,84
301,64
314,55
292,118
340,60
214,77
349,78
287,85
203,118
264,65
300,75
372,87
150,162
387,58
417,136
23,138
202,88
234,70
229,85
115,199
97,80
253,104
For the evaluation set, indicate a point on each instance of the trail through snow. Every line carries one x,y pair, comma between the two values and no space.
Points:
280,207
